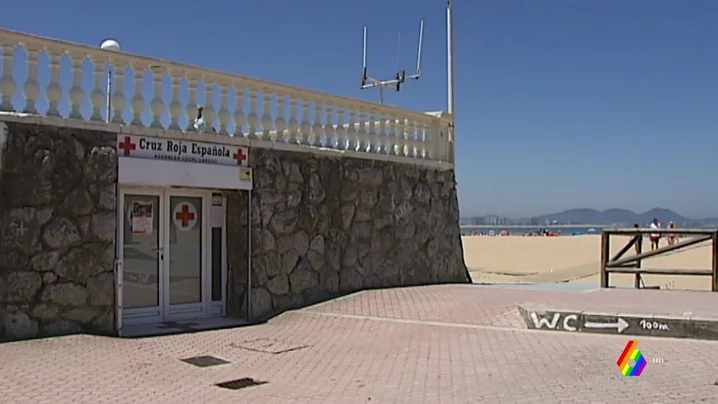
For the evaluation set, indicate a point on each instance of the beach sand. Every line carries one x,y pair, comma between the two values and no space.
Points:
516,259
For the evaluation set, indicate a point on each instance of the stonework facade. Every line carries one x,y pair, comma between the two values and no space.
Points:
57,231
324,226
321,226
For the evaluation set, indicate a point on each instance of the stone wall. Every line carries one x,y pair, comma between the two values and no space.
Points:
324,226
57,231
321,227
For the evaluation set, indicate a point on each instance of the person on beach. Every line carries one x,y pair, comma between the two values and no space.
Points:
199,124
655,237
636,226
671,237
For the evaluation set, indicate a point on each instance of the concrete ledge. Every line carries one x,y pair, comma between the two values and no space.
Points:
240,141
551,318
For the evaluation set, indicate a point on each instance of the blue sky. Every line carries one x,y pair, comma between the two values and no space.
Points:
560,103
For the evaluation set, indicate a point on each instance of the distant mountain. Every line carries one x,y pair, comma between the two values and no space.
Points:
663,215
607,217
615,215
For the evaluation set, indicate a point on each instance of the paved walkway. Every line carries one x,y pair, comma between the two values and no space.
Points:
438,344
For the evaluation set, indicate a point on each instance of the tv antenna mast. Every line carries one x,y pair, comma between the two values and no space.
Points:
400,77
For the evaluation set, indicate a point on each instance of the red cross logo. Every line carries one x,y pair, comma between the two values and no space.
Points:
127,146
240,156
185,216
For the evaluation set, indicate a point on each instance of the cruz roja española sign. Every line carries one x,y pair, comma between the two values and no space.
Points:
180,150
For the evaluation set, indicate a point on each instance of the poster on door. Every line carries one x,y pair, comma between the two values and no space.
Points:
142,217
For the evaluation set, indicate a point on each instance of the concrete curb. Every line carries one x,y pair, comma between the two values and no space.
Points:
542,317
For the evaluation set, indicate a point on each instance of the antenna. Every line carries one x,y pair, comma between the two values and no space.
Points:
400,77
450,56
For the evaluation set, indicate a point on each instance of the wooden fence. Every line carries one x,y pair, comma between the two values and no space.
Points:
633,264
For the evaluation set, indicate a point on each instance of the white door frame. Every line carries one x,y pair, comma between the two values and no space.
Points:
164,311
144,314
201,308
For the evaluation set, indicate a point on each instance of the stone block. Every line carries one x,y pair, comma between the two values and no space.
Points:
57,230
324,226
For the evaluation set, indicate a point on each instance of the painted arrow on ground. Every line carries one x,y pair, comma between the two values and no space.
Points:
619,325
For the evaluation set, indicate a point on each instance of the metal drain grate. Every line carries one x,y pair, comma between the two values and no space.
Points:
240,383
204,361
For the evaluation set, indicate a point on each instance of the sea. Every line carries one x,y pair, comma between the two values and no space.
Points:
562,230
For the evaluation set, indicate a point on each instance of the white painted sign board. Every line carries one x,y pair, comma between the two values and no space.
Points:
181,150
162,162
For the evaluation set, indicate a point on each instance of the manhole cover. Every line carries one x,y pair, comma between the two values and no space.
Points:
242,383
204,361
268,345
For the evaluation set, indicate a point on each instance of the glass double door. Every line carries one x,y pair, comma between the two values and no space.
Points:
164,254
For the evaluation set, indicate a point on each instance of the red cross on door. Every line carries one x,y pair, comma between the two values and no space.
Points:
240,156
127,146
185,216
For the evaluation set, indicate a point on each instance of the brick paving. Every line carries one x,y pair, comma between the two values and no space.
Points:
439,344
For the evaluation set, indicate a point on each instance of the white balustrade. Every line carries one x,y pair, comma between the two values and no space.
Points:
263,111
328,128
97,97
224,114
77,94
175,105
352,134
340,132
280,122
117,99
209,113
7,82
192,82
137,105
31,87
54,91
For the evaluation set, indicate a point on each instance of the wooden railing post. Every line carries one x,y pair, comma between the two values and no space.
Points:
605,252
634,264
639,249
